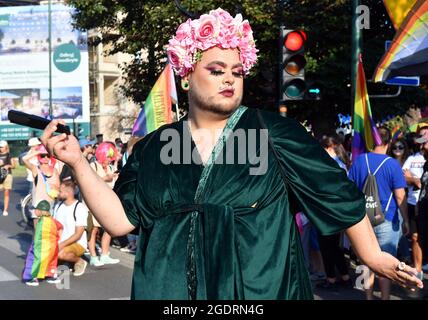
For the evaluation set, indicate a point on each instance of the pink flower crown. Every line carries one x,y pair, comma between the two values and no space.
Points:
218,28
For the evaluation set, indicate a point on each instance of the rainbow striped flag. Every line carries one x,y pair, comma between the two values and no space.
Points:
398,10
42,257
396,132
366,135
157,108
408,53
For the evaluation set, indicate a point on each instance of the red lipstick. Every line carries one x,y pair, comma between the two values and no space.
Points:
227,92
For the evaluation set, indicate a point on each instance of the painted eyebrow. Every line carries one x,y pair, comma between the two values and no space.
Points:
224,65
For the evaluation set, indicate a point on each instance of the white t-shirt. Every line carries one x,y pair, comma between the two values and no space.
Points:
415,164
64,214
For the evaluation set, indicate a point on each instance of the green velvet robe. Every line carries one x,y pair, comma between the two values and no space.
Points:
234,236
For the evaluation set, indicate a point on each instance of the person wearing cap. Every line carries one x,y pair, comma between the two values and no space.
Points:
46,176
32,144
42,257
413,170
6,180
87,148
224,231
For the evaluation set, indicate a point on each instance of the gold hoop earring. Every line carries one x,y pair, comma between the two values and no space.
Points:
185,85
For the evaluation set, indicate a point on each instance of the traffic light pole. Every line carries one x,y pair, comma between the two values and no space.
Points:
356,49
280,106
50,57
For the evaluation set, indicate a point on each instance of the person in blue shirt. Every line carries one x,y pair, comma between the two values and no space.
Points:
391,188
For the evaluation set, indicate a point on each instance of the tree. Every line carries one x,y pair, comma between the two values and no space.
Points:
144,28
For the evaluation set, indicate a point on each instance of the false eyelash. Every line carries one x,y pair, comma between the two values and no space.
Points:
219,73
216,72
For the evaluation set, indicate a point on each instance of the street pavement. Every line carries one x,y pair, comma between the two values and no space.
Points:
107,282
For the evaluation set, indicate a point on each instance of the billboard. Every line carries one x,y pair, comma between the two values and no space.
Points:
24,67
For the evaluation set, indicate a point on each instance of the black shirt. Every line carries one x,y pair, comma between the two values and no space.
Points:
423,196
7,160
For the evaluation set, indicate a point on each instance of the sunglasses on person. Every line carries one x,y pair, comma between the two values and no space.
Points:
44,156
398,147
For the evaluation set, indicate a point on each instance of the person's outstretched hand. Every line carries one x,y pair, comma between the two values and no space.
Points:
404,275
63,147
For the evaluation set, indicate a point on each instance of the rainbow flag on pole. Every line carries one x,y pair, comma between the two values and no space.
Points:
42,257
366,135
398,10
408,53
157,108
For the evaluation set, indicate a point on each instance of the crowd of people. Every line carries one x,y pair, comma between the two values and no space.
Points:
74,232
401,173
398,164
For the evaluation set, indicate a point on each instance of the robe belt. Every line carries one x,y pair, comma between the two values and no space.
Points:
211,252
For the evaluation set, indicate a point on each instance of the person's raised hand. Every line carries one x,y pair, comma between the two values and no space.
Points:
404,275
63,147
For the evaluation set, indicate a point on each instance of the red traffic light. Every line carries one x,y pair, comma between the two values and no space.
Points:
295,40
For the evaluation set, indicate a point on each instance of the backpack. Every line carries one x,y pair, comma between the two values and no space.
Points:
3,174
371,191
89,222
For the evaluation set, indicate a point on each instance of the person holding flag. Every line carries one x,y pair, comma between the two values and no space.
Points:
369,148
157,108
210,230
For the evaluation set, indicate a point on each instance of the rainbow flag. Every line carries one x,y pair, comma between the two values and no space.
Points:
157,108
42,257
366,135
398,10
396,132
408,53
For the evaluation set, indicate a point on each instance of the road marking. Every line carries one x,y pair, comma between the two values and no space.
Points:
6,275
11,243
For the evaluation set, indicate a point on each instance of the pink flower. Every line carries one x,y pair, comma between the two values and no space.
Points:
184,31
207,28
245,29
223,15
176,55
218,28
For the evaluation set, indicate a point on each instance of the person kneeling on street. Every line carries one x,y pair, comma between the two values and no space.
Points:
73,215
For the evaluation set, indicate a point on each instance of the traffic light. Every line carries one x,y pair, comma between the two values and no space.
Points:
292,73
313,91
80,130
